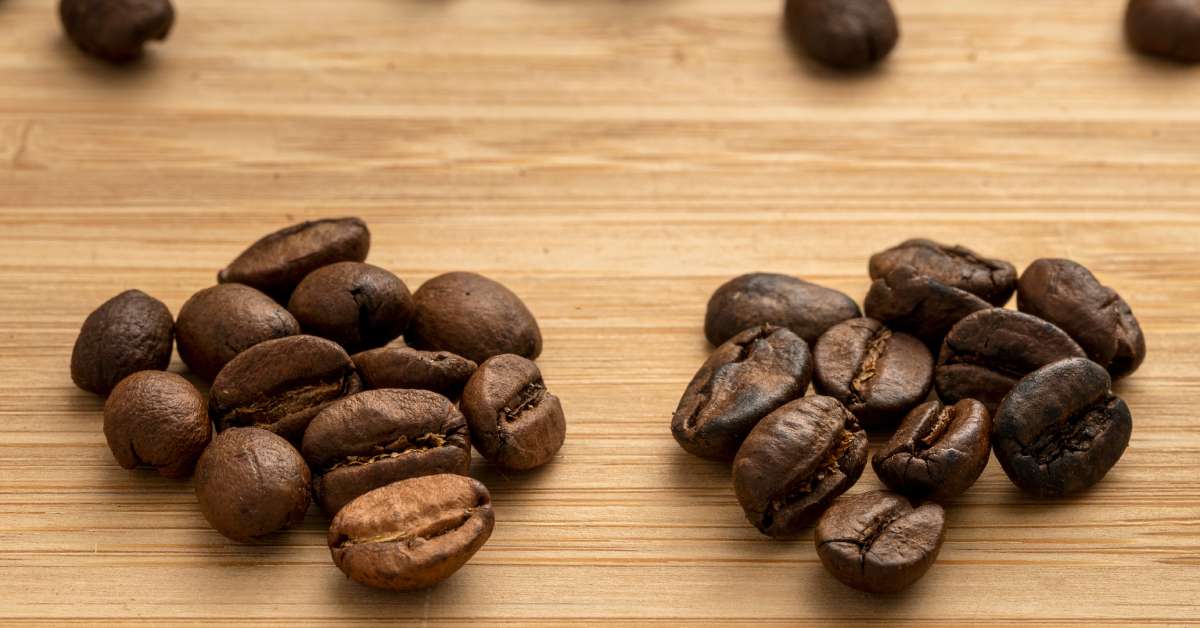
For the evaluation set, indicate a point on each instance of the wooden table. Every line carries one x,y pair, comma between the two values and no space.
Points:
613,162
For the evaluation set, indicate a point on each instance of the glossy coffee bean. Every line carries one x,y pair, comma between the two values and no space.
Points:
514,421
356,305
157,419
473,316
956,266
938,451
796,462
250,483
917,304
1061,428
1165,28
412,534
404,367
130,332
276,263
743,381
116,30
843,33
218,323
771,299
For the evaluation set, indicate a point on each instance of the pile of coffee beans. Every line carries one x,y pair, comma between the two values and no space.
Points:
937,363
314,397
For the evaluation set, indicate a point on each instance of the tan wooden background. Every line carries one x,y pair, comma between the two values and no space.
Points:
613,162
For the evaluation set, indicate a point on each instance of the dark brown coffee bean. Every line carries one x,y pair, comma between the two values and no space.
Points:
251,483
116,30
374,438
157,419
878,374
412,534
1165,28
877,542
404,367
795,462
130,332
938,451
473,316
956,266
515,422
280,385
1061,428
843,33
770,299
987,353
920,305
218,323
278,262
356,305
1070,296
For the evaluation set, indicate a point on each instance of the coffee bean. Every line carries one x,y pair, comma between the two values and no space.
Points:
938,451
843,33
157,419
1061,428
130,332
770,299
877,542
278,262
1165,28
412,534
218,323
917,304
250,483
473,316
515,422
1070,296
404,367
280,385
878,374
956,266
795,462
374,438
116,30
988,352
356,305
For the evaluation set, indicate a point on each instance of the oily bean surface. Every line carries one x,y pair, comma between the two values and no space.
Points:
917,304
956,266
515,422
938,451
116,30
404,367
157,419
1165,28
772,299
277,262
473,316
356,305
843,33
130,332
218,323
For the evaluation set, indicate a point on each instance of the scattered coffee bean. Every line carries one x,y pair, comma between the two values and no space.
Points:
157,419
473,316
218,323
514,421
404,367
992,280
1165,28
116,30
908,301
130,332
356,305
843,33
278,262
938,451
877,542
770,299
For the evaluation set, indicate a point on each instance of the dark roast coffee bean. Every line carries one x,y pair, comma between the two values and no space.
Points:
1165,28
356,305
770,299
280,385
1070,296
743,381
1061,428
278,262
157,419
250,483
116,30
473,316
938,451
920,305
374,438
992,280
218,323
130,332
795,462
878,374
404,367
877,542
987,353
515,422
843,33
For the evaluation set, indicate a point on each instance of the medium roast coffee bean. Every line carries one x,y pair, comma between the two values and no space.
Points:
116,30
743,381
938,451
412,534
280,385
877,542
157,419
1165,28
992,280
356,305
473,316
908,301
250,483
878,374
404,367
770,299
1061,428
988,352
515,422
843,33
218,323
795,462
278,262
1070,296
374,438
130,332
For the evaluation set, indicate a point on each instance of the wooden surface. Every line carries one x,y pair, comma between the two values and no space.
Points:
613,162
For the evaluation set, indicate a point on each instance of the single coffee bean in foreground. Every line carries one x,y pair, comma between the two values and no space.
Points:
130,332
514,421
1061,429
278,262
938,451
356,305
744,380
404,367
878,374
877,542
473,316
795,462
772,299
917,304
157,419
218,323
377,437
412,534
843,33
1165,28
116,30
992,280
250,483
